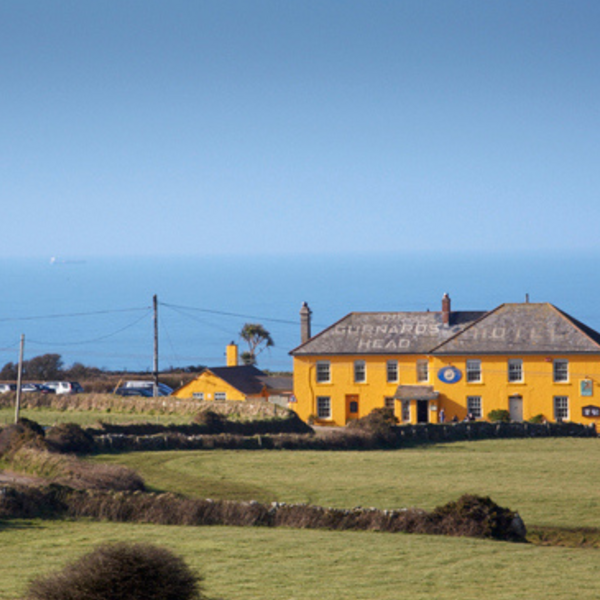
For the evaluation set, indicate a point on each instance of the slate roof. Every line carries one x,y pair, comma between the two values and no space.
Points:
250,380
519,328
524,329
387,333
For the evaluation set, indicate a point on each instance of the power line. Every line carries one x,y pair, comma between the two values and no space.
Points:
69,315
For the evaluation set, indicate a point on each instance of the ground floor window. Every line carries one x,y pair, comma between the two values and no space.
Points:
198,395
220,396
323,407
405,411
474,407
561,408
391,403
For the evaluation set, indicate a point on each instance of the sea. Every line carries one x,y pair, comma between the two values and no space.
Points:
99,311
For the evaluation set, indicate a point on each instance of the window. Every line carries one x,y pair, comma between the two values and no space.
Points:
220,396
392,371
323,371
360,371
473,371
561,408
474,406
561,370
422,370
515,369
323,407
405,411
390,403
198,395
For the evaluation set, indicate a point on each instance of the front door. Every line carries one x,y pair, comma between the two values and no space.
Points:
422,411
351,407
515,407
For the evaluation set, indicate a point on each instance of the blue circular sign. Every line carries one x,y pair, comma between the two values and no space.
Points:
449,374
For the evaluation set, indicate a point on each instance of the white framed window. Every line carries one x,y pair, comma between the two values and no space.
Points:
220,396
474,407
473,370
392,371
390,402
560,370
323,371
323,407
422,370
405,411
515,370
561,408
198,395
360,371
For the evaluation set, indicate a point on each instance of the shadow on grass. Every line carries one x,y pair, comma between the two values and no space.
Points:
19,524
577,537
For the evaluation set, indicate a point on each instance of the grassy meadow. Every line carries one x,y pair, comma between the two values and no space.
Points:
550,482
253,563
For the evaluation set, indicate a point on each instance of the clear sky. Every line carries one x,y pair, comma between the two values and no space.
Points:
141,127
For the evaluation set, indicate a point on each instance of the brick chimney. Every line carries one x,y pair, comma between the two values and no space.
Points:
305,314
446,309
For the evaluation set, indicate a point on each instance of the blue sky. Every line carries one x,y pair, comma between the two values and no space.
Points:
255,127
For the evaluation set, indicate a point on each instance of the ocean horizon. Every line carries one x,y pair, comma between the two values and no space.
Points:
98,310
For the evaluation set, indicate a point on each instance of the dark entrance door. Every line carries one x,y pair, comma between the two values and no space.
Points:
422,411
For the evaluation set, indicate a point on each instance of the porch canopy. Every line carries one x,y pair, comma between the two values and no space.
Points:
416,392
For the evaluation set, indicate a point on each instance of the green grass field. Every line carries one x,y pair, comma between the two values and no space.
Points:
550,482
253,563
46,416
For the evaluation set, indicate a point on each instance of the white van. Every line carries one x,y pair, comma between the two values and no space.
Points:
163,388
64,387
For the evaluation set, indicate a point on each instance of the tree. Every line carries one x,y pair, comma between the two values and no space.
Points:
9,372
45,367
258,338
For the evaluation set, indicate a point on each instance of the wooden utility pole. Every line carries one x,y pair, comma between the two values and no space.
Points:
155,369
19,378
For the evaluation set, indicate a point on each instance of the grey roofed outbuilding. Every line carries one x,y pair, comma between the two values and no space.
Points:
514,328
250,380
529,328
387,333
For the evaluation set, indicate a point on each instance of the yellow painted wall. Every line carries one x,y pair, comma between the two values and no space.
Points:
537,390
208,384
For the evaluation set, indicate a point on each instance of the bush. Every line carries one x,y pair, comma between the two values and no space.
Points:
379,423
477,516
70,438
121,572
538,419
25,433
213,421
496,416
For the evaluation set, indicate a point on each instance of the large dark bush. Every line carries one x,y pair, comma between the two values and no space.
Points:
121,572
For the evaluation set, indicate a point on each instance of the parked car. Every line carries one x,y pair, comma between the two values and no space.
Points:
64,387
7,387
36,387
147,392
163,388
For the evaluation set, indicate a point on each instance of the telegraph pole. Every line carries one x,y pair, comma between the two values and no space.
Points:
155,369
19,379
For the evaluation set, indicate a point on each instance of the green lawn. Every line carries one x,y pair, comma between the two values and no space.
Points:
550,482
253,563
46,416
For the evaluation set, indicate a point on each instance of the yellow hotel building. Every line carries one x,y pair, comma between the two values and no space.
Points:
530,359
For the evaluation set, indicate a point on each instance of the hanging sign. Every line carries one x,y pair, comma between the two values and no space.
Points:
586,387
449,374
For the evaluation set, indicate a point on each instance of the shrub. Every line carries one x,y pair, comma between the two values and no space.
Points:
70,438
538,419
502,416
478,516
379,423
121,572
25,433
213,421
